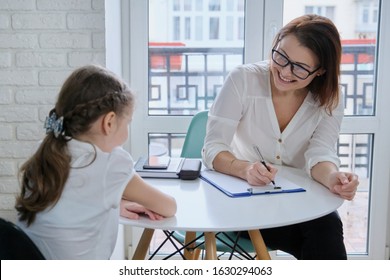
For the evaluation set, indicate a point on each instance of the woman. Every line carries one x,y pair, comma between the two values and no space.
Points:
290,107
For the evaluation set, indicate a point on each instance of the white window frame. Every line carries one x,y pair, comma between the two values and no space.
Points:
137,72
378,125
127,54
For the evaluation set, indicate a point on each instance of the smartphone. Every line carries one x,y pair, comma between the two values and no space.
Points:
155,162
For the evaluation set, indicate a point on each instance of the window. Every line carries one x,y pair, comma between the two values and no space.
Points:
358,81
327,11
176,5
187,5
214,28
179,82
241,24
214,5
199,28
187,28
199,5
229,28
365,15
176,28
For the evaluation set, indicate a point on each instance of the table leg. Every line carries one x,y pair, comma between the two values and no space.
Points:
189,252
143,245
211,246
259,245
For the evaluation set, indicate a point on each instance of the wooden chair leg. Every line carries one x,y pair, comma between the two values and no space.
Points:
259,245
197,253
190,252
143,245
211,247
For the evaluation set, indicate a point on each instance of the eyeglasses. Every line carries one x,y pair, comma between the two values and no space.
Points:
298,71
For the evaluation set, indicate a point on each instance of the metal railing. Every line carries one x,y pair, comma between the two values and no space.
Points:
183,81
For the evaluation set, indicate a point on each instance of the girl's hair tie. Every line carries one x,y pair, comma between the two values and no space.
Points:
54,124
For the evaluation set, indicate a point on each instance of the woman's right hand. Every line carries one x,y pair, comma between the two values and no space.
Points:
258,175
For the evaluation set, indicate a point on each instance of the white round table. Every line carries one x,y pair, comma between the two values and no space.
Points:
203,208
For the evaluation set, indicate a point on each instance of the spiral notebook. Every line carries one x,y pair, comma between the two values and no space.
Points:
236,187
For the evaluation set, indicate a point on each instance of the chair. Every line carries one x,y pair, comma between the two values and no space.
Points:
15,244
227,242
193,143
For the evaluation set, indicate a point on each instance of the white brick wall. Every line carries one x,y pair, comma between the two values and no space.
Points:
41,42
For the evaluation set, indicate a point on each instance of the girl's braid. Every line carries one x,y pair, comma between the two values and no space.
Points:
83,115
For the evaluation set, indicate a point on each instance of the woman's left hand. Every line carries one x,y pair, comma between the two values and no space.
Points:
132,210
344,184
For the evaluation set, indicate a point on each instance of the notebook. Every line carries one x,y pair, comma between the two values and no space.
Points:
174,168
171,171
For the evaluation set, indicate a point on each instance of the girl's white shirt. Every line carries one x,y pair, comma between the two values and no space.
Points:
243,115
83,224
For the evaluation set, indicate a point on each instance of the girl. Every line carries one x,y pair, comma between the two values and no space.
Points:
72,186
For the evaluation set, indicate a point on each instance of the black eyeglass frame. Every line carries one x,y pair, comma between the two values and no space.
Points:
309,73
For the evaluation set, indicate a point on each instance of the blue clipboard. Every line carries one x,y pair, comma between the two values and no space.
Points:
236,187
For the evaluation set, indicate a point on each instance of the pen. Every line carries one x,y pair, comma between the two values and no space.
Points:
261,190
257,150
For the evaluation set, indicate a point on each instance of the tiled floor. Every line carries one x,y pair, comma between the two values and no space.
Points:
353,214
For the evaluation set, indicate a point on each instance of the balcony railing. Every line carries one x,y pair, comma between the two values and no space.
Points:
183,81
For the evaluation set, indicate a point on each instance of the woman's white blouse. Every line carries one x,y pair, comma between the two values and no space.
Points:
243,115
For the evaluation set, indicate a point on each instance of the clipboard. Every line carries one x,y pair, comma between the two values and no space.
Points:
236,187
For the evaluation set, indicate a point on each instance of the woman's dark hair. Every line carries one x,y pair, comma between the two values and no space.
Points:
88,93
321,36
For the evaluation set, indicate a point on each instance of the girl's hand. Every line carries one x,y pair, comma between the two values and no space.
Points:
258,175
132,210
344,184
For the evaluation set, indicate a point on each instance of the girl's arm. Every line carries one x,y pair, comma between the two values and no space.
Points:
132,210
139,191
